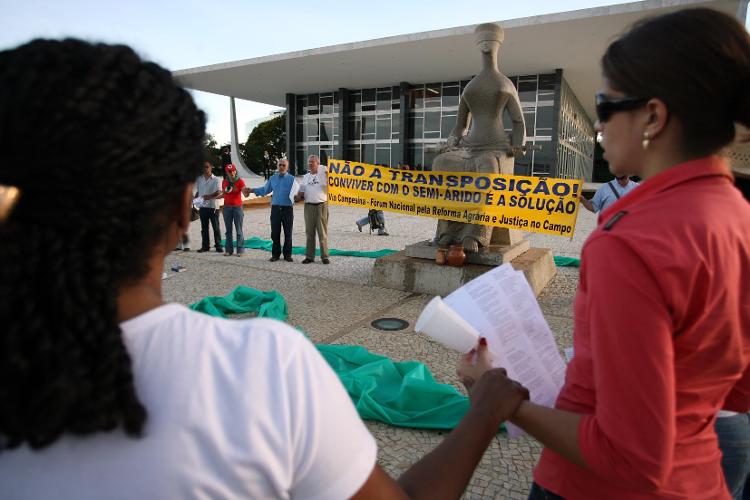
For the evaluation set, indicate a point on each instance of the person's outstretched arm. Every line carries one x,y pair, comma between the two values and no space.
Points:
587,203
445,471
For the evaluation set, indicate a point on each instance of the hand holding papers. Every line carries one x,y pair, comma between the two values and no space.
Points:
501,307
198,201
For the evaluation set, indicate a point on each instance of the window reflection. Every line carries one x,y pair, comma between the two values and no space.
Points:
373,125
384,129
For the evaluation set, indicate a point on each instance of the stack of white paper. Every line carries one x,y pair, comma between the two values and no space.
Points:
501,306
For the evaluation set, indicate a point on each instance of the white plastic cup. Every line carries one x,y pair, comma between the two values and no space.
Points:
441,323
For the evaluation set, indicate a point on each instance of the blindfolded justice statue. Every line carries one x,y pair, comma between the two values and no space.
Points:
486,147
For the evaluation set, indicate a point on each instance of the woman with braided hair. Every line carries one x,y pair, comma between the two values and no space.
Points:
105,390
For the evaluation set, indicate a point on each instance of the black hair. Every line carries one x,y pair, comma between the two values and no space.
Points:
698,62
101,145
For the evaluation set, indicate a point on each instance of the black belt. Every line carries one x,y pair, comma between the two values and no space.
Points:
316,204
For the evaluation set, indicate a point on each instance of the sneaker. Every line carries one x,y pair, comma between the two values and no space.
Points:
219,249
204,250
325,261
307,261
273,259
186,249
359,227
288,259
384,233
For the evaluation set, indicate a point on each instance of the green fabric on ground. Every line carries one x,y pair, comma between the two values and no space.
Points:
243,300
256,243
567,261
402,394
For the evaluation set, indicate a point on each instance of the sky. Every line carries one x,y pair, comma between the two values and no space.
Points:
189,33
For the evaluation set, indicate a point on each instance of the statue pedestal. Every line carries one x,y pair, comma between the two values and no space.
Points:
493,255
400,271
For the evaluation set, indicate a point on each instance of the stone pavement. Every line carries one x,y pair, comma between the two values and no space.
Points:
335,304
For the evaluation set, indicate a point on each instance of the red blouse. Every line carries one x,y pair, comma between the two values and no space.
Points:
662,340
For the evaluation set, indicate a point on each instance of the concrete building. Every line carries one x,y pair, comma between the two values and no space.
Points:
393,100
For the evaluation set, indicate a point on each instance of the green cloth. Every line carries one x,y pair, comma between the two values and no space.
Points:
243,300
256,243
402,394
567,261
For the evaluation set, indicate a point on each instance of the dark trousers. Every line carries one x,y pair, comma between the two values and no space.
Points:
281,216
206,215
539,493
734,442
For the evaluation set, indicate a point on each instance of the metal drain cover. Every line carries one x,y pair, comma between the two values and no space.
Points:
389,324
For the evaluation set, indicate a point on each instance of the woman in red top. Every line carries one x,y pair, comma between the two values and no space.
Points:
662,313
232,189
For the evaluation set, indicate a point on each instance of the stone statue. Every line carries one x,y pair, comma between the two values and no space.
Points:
487,147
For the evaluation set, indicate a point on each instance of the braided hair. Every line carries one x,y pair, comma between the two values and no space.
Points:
102,146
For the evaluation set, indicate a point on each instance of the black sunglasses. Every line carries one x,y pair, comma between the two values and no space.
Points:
606,106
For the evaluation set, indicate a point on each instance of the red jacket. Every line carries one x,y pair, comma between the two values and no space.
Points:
662,340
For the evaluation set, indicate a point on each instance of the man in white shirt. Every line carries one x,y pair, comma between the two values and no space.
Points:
314,190
207,187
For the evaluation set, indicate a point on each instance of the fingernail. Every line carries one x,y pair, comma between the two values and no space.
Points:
482,341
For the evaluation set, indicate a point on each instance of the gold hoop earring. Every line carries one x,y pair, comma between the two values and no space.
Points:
646,141
8,198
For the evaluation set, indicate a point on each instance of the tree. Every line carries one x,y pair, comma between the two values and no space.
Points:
212,152
265,145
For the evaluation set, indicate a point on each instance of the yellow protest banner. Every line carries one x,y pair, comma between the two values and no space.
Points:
517,202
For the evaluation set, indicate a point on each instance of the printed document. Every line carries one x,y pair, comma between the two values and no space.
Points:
502,307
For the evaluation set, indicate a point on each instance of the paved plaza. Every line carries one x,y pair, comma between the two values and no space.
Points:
336,303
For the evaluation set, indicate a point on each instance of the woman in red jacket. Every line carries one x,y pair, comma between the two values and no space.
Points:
662,313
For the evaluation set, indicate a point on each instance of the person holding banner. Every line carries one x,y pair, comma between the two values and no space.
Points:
281,185
662,319
609,193
314,190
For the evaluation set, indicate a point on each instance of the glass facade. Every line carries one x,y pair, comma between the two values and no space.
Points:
370,125
316,127
433,108
537,96
575,146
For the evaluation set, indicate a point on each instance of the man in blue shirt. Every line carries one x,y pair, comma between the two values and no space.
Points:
282,213
608,193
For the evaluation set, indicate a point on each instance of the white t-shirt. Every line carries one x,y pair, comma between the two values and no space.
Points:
315,186
236,409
